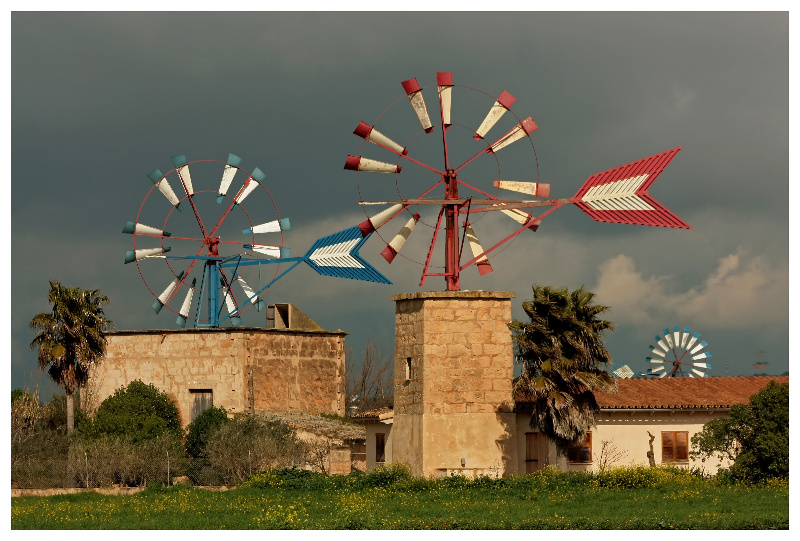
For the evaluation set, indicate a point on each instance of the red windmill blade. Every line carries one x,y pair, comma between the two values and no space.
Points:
620,195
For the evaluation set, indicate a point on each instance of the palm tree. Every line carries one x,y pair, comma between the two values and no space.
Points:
564,359
70,339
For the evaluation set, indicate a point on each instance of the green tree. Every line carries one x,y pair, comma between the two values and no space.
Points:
563,360
70,338
198,430
755,436
137,413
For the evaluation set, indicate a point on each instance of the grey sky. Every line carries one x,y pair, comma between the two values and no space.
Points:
100,100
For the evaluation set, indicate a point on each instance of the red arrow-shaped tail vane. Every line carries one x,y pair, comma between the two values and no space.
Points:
620,195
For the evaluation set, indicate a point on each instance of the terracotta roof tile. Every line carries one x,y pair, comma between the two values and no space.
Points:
373,415
683,393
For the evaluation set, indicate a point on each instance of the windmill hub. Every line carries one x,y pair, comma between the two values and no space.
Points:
213,245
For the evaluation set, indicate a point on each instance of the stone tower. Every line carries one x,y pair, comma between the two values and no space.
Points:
453,400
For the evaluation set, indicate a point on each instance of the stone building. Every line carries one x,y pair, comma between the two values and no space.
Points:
294,366
455,411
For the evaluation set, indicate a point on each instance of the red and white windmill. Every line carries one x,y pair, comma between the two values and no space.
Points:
453,176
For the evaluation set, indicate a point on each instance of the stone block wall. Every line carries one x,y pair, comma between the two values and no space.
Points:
291,370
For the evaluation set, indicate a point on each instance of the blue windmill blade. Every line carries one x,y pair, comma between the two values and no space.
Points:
337,255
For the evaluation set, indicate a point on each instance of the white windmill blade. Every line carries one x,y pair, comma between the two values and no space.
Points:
359,163
231,167
484,267
248,291
250,184
503,104
676,336
271,251
697,348
519,131
274,226
655,351
137,255
372,223
536,189
141,229
183,314
705,366
166,294
661,344
414,93
699,373
365,131
393,248
161,182
668,338
444,84
655,361
183,172
692,340
685,336
233,310
704,355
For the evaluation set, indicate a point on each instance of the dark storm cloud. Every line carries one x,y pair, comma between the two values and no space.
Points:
99,100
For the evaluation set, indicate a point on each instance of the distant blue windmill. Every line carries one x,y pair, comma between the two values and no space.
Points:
679,353
231,252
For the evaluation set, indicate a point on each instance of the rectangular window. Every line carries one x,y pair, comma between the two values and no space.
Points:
674,446
380,448
581,453
408,369
202,399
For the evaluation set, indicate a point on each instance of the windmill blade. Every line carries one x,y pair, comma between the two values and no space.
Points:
248,291
698,373
519,131
536,189
183,172
271,251
414,93
162,299
444,82
685,337
503,104
661,345
365,131
359,163
337,255
136,255
655,351
484,267
692,340
620,195
140,229
233,310
697,348
676,336
227,175
400,239
704,355
183,314
250,184
161,182
371,224
668,338
520,216
274,226
704,366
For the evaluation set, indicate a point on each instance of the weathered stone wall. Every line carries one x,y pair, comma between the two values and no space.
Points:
458,400
292,370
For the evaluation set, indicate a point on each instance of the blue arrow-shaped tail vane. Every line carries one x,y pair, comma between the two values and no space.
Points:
337,255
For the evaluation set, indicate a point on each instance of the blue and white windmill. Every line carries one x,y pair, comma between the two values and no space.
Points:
679,353
205,262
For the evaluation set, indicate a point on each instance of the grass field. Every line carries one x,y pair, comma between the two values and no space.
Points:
631,500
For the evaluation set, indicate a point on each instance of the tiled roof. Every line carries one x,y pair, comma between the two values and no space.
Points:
685,393
318,424
373,415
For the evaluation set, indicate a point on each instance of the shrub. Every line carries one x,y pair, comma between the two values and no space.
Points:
243,446
139,412
755,437
198,430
